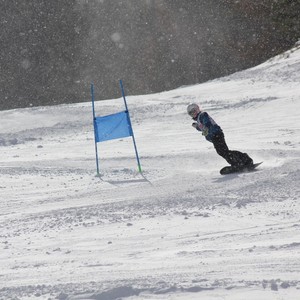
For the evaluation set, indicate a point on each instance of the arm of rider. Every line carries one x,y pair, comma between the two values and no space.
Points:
205,120
195,125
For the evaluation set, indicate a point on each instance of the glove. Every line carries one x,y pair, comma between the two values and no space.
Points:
195,125
205,131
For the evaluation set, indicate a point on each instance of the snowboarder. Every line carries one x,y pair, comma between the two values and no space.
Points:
214,134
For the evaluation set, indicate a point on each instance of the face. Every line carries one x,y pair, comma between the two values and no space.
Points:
194,113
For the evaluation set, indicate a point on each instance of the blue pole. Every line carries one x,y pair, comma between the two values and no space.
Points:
135,148
94,120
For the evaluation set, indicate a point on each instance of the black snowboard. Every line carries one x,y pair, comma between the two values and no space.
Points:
230,170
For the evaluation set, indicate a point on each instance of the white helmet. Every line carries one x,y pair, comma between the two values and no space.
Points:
192,109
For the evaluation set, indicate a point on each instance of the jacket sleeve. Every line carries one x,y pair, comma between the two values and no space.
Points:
205,120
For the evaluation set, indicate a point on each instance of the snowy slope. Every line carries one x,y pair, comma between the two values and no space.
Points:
180,230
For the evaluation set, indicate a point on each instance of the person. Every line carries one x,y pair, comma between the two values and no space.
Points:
214,134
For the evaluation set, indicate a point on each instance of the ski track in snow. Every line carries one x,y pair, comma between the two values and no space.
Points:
179,230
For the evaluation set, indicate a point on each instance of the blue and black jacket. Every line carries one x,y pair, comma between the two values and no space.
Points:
207,126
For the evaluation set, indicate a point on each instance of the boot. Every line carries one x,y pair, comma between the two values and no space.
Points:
247,160
239,160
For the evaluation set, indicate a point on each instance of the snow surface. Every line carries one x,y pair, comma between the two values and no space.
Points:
178,231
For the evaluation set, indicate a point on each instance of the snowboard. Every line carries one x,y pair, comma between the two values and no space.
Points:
230,170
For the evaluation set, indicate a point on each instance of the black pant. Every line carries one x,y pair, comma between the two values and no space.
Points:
234,158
